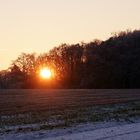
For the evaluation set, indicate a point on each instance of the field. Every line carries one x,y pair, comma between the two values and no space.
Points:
67,106
24,101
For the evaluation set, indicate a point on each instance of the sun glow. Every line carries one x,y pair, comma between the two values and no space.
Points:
45,73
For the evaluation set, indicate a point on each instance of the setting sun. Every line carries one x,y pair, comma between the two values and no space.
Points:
45,73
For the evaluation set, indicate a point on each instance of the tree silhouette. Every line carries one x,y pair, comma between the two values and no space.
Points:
114,63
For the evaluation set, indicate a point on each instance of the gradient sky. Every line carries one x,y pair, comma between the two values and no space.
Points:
39,25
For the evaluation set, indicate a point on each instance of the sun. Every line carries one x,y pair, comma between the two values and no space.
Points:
45,73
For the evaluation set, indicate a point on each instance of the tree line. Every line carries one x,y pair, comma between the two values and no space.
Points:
114,63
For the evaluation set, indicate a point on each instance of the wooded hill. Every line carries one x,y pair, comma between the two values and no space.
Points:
114,63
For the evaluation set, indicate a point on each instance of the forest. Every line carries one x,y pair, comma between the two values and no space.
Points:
113,63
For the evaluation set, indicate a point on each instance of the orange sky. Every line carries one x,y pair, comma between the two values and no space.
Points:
39,25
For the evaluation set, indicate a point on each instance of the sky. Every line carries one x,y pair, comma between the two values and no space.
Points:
39,25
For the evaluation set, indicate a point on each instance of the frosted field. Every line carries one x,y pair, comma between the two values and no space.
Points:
69,114
96,131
